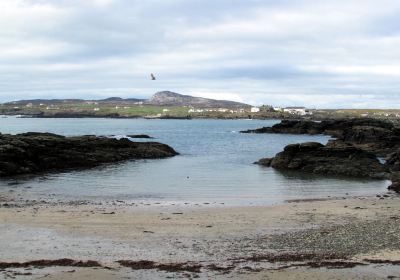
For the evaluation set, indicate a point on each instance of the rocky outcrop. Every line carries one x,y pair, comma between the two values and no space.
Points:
290,127
377,136
40,152
336,158
395,186
393,163
144,136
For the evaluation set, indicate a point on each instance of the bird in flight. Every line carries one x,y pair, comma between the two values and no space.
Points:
152,77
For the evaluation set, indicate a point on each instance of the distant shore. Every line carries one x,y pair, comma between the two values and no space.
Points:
270,116
165,117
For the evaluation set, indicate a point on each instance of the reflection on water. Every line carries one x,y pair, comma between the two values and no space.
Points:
215,165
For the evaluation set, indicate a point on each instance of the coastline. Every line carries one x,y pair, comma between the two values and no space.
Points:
247,242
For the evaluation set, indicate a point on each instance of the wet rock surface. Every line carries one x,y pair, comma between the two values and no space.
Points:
395,178
393,161
377,136
144,136
41,152
336,158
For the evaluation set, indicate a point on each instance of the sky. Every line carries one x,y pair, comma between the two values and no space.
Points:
318,54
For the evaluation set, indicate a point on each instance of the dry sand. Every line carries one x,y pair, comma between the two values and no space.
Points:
351,238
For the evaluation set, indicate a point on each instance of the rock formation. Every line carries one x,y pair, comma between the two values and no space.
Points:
336,158
40,152
373,135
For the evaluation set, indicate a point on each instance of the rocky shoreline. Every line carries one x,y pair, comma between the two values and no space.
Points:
336,158
354,152
377,136
30,153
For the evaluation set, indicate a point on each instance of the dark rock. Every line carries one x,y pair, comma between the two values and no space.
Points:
395,187
40,152
139,136
377,136
395,178
336,158
393,161
264,161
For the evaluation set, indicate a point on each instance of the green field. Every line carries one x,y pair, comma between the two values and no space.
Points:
92,109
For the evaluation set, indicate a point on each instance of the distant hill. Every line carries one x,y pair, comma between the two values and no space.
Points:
168,98
110,100
162,98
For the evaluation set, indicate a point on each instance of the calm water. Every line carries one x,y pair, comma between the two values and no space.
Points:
215,165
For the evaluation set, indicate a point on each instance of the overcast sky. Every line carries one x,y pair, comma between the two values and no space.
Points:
339,53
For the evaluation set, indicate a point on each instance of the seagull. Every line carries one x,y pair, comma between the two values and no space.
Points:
152,77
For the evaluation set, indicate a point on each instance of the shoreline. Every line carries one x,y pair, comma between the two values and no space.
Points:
235,242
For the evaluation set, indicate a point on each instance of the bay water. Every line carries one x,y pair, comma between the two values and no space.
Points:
215,165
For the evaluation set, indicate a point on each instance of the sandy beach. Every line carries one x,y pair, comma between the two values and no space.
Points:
349,237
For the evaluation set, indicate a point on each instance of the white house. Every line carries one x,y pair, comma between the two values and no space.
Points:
165,110
255,109
192,110
296,110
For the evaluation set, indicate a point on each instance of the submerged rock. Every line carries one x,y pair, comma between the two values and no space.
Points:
336,158
40,152
377,136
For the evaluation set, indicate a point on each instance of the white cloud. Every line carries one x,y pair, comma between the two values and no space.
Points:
384,70
330,53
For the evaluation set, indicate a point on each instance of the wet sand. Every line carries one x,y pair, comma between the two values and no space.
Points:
339,238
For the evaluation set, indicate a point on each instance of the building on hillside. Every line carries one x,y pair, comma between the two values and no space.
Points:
193,110
165,110
255,109
52,107
302,111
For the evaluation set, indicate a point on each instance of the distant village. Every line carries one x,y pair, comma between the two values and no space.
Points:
152,111
301,111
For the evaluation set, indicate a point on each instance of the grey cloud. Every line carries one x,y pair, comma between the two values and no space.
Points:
329,54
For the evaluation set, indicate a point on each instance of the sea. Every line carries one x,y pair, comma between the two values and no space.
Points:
215,166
